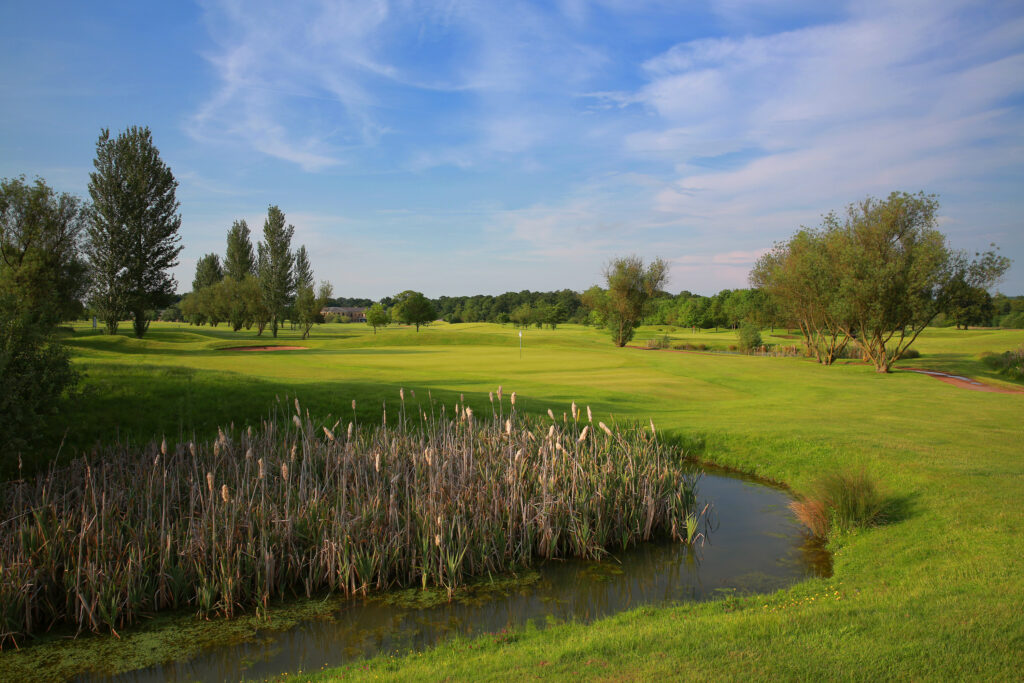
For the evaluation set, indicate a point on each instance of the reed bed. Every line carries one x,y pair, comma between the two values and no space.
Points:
430,496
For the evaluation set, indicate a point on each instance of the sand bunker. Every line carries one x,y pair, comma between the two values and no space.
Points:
264,348
963,382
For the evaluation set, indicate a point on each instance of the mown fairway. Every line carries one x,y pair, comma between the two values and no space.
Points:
937,593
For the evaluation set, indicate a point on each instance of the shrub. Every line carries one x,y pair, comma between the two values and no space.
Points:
842,502
750,337
910,354
701,347
733,347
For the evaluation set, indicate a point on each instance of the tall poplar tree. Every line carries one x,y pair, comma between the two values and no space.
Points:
240,260
276,266
208,272
133,237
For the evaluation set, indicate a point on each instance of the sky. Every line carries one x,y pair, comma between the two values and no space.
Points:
474,147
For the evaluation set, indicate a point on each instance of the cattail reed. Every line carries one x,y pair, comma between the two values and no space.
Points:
99,544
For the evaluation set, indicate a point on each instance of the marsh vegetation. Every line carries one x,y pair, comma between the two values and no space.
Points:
429,496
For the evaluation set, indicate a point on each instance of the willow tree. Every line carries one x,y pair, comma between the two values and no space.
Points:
876,276
630,289
801,276
133,237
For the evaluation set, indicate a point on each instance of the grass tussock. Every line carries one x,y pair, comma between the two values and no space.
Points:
428,497
841,501
1009,363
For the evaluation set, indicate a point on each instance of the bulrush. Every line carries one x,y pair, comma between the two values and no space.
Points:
84,546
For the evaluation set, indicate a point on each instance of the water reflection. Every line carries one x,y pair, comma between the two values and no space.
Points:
755,545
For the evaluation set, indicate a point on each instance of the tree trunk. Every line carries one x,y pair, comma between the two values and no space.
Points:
140,324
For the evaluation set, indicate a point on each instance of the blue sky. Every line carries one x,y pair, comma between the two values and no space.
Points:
479,147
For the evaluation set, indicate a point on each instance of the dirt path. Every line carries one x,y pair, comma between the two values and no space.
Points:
963,382
264,348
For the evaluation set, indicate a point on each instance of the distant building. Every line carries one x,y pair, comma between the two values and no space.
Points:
355,314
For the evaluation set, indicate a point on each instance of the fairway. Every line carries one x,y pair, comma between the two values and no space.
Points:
935,593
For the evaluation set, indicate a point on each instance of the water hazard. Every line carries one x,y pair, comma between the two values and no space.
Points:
754,545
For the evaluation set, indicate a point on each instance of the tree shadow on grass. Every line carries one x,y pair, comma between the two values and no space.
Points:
899,508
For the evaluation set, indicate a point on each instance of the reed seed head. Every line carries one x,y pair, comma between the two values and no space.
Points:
583,434
508,426
376,462
163,446
284,471
224,493
297,410
349,431
262,472
490,396
604,427
209,481
551,414
329,433
401,393
295,450
590,415
499,393
353,404
297,421
248,454
575,412
551,432
437,540
192,448
513,398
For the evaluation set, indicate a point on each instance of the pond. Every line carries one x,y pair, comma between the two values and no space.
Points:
754,545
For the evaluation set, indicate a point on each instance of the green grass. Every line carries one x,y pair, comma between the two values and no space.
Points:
935,593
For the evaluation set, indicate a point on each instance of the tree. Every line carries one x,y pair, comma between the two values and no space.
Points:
303,271
42,279
276,266
309,304
239,260
968,301
377,316
894,268
876,276
40,261
412,308
803,275
208,272
630,288
133,231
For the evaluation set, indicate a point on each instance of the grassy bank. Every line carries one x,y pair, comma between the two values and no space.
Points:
935,593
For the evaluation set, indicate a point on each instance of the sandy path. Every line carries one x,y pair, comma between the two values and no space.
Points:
963,382
264,348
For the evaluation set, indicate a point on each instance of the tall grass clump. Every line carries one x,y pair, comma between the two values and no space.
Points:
1009,363
841,501
429,496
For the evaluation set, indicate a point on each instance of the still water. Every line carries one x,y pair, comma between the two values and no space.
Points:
754,545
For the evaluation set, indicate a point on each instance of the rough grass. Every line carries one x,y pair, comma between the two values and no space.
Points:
933,594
